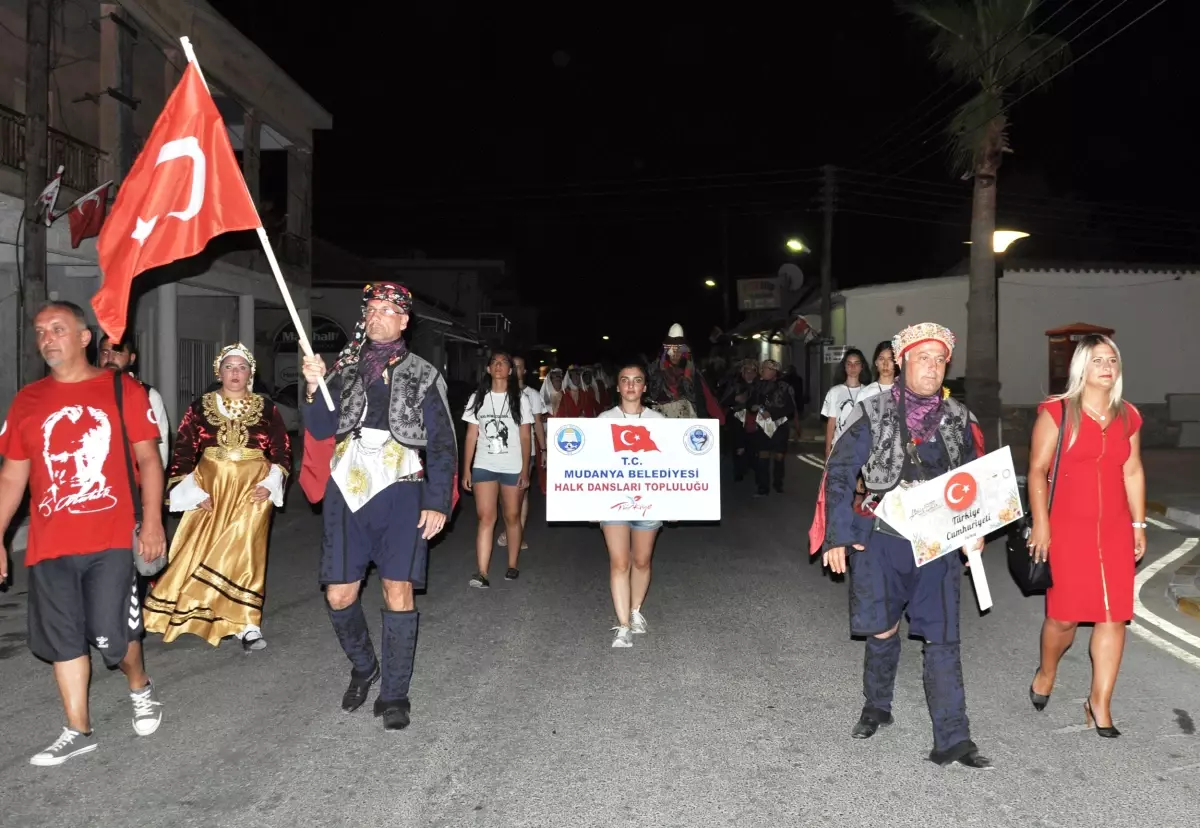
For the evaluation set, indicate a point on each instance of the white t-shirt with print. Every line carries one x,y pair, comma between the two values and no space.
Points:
538,406
499,446
839,404
616,413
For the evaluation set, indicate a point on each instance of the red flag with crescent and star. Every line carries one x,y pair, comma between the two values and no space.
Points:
632,438
86,216
184,189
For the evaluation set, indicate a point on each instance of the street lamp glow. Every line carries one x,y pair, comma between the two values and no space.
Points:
796,246
605,338
709,283
757,336
554,350
1001,239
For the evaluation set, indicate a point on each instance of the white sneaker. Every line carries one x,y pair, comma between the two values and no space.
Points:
502,540
637,623
623,638
147,712
70,743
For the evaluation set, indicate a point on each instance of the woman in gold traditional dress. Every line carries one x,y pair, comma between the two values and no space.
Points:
232,454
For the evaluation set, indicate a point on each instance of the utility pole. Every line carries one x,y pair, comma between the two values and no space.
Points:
33,243
726,287
828,193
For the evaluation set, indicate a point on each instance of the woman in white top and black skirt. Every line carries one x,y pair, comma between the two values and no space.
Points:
853,375
630,542
496,460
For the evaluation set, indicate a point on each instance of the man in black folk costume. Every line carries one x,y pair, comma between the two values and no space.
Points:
903,437
388,489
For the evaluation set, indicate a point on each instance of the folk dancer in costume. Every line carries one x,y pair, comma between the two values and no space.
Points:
735,400
895,439
552,391
232,455
388,490
578,400
773,406
675,388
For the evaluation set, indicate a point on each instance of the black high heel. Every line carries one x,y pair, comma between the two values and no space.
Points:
1109,732
1038,701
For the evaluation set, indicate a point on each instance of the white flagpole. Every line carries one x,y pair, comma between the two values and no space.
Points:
82,199
266,246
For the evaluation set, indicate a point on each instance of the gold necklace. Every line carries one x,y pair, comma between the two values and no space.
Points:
1101,417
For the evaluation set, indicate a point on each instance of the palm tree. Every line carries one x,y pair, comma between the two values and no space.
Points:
993,46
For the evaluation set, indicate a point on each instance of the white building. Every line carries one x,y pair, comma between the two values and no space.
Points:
1150,308
180,314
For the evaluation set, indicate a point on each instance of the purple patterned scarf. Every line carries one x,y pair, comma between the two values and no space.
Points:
922,415
375,356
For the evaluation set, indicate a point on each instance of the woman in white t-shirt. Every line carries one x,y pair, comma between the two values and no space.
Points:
496,460
630,542
842,397
885,370
537,447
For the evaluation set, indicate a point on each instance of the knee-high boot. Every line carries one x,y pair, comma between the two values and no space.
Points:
350,625
399,651
778,473
947,700
880,662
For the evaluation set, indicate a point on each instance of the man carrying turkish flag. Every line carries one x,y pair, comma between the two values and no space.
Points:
185,188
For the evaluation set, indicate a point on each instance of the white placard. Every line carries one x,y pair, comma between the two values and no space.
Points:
940,515
660,469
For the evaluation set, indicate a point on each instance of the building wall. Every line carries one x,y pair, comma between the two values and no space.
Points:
1151,313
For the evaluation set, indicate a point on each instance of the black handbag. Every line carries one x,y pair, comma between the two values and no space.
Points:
1033,576
144,567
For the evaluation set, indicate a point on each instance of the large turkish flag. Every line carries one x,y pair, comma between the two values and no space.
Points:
184,189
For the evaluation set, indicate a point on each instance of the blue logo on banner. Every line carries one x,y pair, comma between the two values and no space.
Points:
698,440
569,439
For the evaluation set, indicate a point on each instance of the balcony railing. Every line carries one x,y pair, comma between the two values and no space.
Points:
80,161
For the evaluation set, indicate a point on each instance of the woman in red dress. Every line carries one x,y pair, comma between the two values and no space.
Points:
1096,532
577,399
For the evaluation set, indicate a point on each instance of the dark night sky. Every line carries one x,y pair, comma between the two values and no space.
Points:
595,150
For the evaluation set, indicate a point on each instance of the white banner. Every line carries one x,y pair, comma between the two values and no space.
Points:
942,514
633,469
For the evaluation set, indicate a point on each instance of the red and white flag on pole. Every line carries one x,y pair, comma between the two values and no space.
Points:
184,189
86,214
49,197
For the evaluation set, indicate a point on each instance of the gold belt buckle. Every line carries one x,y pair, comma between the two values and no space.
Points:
234,454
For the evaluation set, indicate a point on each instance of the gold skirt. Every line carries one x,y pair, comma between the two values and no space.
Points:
216,581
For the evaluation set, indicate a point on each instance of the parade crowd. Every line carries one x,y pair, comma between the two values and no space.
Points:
89,444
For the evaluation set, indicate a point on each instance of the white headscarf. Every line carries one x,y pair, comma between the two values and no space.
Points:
550,395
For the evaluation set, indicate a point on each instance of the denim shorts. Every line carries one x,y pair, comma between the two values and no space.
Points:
635,525
479,475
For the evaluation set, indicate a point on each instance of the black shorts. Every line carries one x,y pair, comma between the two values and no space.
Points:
78,601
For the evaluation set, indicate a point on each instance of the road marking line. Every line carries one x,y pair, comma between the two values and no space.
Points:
805,459
1164,645
1161,524
1141,612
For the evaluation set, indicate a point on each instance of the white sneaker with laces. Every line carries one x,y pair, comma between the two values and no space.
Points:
637,622
70,743
623,638
147,712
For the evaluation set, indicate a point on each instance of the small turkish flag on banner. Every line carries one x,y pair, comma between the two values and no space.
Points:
86,216
184,189
632,438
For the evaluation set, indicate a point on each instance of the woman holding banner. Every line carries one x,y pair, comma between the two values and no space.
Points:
630,542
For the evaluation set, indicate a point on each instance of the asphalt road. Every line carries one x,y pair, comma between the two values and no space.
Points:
734,710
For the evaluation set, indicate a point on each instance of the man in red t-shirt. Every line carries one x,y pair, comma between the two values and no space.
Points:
64,439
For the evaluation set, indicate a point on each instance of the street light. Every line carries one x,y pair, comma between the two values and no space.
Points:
605,338
1003,239
709,283
554,350
796,246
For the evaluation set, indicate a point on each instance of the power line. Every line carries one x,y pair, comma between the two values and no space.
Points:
1016,75
997,62
1037,86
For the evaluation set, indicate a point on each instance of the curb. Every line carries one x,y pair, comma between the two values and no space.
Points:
1184,588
